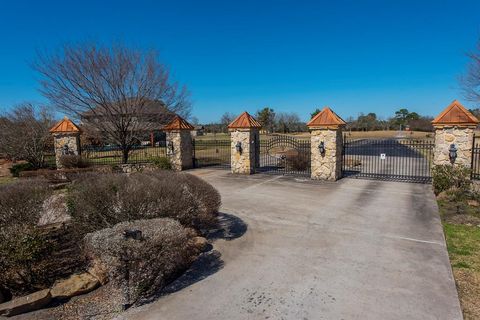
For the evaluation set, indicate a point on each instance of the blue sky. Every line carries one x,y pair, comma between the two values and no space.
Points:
294,56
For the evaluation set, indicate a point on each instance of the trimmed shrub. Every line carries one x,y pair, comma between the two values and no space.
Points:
19,167
298,162
162,163
149,261
97,201
70,161
448,178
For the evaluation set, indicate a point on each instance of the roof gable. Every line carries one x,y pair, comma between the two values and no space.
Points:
65,126
178,123
244,121
326,118
455,114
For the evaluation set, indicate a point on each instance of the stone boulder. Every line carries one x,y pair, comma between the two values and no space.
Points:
34,301
74,286
99,271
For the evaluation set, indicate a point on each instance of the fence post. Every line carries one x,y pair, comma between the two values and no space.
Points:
179,143
326,145
66,139
454,132
245,139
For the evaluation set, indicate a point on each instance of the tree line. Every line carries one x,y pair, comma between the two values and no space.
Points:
288,122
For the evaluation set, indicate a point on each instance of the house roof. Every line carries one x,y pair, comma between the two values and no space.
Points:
149,107
65,126
154,115
244,121
178,123
456,115
326,118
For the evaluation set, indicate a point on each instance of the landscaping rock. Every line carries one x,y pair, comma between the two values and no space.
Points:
99,271
54,210
75,285
200,243
25,304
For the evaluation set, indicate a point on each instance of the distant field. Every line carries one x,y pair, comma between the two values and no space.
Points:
353,134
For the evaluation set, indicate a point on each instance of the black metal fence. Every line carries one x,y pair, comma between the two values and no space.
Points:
388,159
285,155
211,153
112,155
476,159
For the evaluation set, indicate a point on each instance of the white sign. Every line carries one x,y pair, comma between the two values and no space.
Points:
383,156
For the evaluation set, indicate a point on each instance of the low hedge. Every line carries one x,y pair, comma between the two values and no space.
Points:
97,201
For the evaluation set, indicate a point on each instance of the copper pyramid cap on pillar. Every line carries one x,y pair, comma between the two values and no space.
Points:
65,126
455,115
244,121
326,119
178,123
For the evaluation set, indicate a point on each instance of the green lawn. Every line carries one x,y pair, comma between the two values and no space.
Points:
463,244
462,233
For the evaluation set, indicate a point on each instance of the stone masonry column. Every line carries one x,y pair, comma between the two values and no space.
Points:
66,139
245,143
326,145
454,130
179,144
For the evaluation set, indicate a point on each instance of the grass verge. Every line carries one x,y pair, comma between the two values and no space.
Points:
463,243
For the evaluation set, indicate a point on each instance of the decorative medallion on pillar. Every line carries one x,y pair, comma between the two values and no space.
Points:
326,143
245,144
179,143
66,138
454,131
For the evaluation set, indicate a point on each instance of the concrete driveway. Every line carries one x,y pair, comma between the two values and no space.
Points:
355,249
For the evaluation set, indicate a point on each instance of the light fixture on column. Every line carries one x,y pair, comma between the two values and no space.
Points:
238,147
452,153
321,148
170,146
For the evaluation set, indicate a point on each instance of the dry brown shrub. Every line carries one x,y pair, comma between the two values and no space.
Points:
141,267
97,201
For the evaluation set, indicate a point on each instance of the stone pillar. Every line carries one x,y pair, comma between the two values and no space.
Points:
326,145
245,143
454,127
326,165
244,161
66,140
179,144
179,149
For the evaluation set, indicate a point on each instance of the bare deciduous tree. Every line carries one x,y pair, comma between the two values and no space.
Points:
471,80
24,133
289,122
115,86
226,119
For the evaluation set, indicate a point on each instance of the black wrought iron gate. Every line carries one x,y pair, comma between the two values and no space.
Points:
393,159
211,153
284,155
